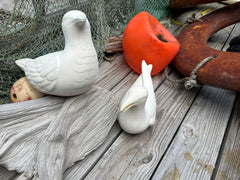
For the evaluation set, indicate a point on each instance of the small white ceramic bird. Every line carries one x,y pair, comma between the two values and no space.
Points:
71,71
138,106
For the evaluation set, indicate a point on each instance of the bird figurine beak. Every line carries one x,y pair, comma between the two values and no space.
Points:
135,96
79,22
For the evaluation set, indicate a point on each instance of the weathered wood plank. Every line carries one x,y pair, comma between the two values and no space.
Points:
229,167
230,162
111,73
234,33
195,148
6,174
106,80
136,156
110,76
81,169
46,145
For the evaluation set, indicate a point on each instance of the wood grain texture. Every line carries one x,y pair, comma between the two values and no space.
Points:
5,174
229,167
187,143
123,156
136,156
194,151
109,80
234,33
106,80
111,73
83,169
45,145
80,169
114,45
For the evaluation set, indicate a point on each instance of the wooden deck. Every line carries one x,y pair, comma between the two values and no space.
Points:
196,134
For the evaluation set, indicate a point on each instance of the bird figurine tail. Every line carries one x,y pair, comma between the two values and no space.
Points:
148,84
22,63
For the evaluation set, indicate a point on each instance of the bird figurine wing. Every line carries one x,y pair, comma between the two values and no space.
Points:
150,106
41,72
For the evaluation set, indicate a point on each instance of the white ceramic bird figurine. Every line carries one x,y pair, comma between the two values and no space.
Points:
138,106
71,71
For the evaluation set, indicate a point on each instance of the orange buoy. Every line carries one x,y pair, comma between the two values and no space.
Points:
145,38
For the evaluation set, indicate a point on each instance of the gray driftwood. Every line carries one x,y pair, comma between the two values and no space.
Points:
42,138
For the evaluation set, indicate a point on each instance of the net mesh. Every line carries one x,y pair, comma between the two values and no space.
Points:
31,28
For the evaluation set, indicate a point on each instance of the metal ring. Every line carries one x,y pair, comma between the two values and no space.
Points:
224,71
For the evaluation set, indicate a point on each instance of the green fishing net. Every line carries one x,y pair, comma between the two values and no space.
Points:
31,28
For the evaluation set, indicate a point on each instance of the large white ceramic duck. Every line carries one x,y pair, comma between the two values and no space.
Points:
138,106
71,71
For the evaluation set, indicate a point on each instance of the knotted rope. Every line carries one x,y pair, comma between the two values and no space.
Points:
191,81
